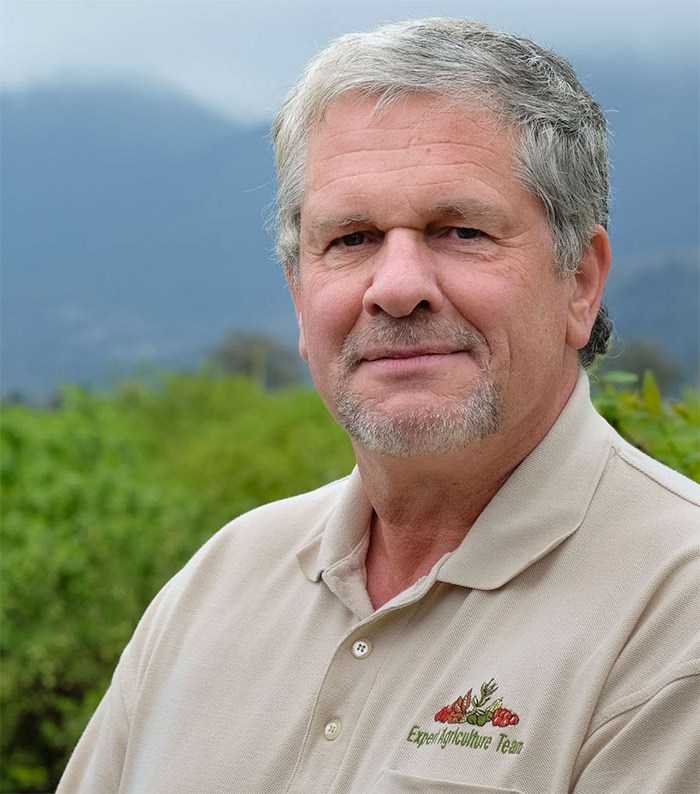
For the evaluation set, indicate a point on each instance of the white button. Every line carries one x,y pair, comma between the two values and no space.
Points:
361,648
332,730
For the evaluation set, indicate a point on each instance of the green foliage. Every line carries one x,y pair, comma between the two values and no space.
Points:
234,446
667,430
105,497
88,536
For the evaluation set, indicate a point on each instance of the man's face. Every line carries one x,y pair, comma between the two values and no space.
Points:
430,311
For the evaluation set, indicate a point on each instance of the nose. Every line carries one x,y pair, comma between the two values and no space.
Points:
404,278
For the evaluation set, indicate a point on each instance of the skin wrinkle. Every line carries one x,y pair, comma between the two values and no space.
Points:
487,122
413,171
420,157
354,172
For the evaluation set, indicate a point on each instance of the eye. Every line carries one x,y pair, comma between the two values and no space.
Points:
352,239
465,233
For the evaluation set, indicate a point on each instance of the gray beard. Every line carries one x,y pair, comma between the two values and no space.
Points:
421,432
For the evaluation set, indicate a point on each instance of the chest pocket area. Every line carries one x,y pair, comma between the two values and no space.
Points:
392,782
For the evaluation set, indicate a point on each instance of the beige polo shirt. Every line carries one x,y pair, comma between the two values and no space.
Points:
555,650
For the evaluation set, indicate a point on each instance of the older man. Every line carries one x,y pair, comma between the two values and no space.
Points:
502,597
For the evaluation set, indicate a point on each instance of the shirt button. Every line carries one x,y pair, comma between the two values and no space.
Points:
361,648
332,730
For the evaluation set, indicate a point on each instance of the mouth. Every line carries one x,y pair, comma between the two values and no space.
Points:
412,352
423,345
424,362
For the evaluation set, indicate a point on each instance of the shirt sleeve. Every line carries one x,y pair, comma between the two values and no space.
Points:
96,763
649,749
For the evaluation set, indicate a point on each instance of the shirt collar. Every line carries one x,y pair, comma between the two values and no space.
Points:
541,504
343,533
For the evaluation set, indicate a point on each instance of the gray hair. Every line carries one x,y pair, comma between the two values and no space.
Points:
561,132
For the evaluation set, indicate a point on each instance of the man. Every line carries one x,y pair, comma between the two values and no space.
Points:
503,595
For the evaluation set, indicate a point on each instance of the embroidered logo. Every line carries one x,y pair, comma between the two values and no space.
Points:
479,709
476,710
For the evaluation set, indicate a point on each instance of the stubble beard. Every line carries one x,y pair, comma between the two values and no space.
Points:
422,431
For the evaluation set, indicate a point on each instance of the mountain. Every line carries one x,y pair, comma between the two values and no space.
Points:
133,230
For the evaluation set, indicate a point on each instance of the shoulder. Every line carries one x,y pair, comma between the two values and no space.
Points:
295,512
276,528
649,490
624,477
655,473
260,545
646,519
269,535
632,483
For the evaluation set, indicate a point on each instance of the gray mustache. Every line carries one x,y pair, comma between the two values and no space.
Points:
398,332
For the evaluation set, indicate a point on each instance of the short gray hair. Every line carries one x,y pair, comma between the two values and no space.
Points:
561,132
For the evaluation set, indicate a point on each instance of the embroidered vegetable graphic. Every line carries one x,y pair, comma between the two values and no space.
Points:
478,710
456,712
479,714
502,718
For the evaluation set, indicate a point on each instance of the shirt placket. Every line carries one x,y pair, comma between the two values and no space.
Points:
342,701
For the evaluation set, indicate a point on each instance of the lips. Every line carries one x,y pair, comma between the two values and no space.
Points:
376,355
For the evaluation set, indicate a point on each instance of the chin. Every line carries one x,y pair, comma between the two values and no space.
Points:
422,431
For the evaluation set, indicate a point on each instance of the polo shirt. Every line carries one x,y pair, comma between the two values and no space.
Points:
555,650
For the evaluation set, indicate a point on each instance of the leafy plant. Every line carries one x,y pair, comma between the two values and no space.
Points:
668,430
88,535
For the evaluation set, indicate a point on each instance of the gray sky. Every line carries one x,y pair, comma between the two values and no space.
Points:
241,57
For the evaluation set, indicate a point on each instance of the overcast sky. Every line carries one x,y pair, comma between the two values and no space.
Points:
241,57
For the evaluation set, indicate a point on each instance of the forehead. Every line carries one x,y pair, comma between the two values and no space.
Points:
417,123
417,152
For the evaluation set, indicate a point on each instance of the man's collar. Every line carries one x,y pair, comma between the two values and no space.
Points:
540,505
342,533
543,502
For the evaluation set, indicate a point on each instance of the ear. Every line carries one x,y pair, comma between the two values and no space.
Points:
293,282
587,290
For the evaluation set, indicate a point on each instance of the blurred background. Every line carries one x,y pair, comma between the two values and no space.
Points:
137,173
150,384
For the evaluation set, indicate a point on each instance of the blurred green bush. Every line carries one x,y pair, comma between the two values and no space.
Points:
105,497
668,430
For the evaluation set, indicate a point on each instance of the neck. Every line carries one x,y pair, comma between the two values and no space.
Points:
421,512
424,507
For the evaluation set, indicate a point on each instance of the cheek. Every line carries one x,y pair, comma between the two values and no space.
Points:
538,330
325,321
517,319
489,304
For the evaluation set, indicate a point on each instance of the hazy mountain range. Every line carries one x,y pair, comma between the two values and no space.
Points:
133,229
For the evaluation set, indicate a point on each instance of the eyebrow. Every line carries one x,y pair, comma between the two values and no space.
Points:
322,227
470,209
